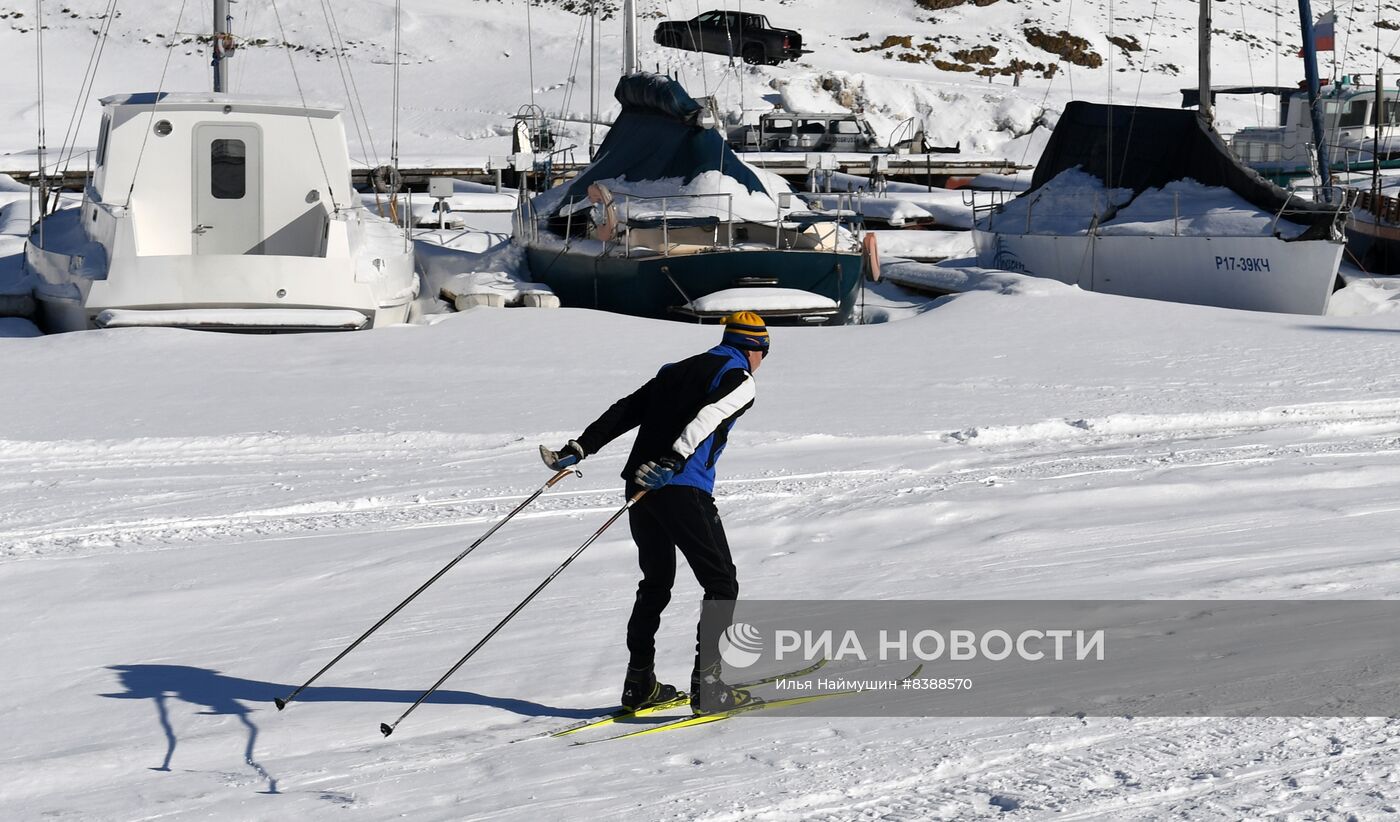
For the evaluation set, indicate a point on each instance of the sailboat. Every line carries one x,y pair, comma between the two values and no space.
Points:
220,211
667,222
1150,202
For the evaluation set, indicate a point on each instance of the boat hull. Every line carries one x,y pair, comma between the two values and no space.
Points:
1374,245
1249,273
658,286
70,297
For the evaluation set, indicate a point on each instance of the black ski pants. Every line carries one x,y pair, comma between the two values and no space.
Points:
680,517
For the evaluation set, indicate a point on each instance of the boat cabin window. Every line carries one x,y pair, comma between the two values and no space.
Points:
1349,114
846,127
812,127
1392,112
228,169
102,140
778,125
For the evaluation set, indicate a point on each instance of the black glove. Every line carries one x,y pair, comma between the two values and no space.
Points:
657,473
570,455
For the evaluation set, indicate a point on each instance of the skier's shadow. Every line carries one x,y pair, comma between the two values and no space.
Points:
222,695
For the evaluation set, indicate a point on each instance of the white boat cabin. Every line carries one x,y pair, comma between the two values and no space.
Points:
218,202
1348,121
204,162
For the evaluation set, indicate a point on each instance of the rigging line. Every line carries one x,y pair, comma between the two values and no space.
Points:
337,47
1334,39
1146,53
530,48
704,75
1109,90
1049,86
203,29
1069,67
1108,143
83,86
237,69
572,78
1384,117
1137,95
310,127
593,55
394,120
1249,62
1346,39
39,59
350,72
170,47
75,120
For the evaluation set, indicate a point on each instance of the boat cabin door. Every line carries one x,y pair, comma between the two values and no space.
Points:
227,189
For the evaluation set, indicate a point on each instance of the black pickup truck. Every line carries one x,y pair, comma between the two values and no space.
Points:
733,33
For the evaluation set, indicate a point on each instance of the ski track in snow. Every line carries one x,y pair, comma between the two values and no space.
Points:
80,496
1125,768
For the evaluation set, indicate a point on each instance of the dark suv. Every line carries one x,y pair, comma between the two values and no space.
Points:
734,34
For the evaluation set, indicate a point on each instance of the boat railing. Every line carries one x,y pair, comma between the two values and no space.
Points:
1382,206
524,222
671,213
994,209
660,216
1340,199
986,207
993,215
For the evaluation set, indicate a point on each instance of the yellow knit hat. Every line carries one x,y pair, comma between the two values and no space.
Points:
746,330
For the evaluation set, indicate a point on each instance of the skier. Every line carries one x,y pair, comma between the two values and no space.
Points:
684,414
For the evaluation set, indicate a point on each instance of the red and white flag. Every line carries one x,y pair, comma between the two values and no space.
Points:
1324,33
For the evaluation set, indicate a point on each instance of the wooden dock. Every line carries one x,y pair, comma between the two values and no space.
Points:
925,169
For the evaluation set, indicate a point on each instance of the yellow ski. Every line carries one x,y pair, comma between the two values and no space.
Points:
757,705
679,702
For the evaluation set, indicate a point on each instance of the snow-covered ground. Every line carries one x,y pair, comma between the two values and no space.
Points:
193,523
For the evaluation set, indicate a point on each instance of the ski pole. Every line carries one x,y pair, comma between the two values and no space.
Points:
282,703
387,729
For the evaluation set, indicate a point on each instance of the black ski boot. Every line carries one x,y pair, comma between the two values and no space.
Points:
709,694
641,690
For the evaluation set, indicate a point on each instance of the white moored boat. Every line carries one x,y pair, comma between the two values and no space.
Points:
1150,203
220,211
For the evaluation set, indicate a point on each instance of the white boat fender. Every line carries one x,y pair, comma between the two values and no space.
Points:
539,299
477,299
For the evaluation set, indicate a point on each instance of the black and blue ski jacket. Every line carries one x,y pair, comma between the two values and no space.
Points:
684,412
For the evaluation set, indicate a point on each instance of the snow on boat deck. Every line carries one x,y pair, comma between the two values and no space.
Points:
232,318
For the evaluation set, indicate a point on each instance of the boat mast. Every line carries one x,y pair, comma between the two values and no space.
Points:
592,75
223,23
39,61
1376,142
1204,110
1324,167
629,36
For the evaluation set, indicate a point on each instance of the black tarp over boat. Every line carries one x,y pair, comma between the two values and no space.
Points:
1138,147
